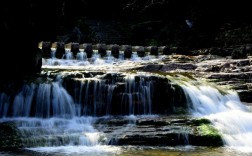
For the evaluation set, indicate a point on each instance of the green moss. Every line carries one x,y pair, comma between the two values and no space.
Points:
210,134
207,129
200,121
204,127
204,133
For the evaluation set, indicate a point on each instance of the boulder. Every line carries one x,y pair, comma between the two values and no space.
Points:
10,138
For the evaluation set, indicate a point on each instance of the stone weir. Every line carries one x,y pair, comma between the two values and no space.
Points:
61,47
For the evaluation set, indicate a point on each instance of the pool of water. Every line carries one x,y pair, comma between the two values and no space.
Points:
126,151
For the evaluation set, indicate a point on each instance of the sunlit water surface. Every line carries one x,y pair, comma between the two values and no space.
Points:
105,150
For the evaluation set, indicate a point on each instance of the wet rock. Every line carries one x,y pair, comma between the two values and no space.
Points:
179,121
140,50
199,121
239,53
245,95
102,49
163,131
37,61
152,68
115,50
228,76
249,49
10,138
243,62
75,48
152,122
175,66
60,49
117,121
127,51
165,50
46,49
219,51
206,135
172,139
179,50
153,50
88,48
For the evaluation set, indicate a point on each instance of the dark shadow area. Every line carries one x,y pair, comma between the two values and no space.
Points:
191,24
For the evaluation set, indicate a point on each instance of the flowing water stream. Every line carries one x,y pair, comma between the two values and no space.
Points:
56,113
225,110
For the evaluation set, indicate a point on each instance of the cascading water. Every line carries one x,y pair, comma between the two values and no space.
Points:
109,58
57,112
95,62
53,53
140,95
69,96
224,109
68,55
48,117
121,55
82,56
53,113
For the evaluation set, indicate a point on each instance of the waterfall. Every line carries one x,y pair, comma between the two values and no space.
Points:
135,57
49,119
66,108
224,109
67,96
121,55
68,55
4,104
101,96
82,56
43,100
109,58
53,53
138,94
58,131
23,101
96,58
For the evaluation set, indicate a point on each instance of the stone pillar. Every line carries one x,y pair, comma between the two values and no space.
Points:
153,50
115,50
88,48
140,50
46,49
75,48
127,50
165,50
102,49
60,49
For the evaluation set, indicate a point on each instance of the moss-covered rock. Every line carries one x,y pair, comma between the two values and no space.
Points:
10,138
200,121
205,134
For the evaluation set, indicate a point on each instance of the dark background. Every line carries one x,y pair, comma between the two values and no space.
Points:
136,22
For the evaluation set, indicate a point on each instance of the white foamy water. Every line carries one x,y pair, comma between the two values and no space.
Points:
82,150
96,62
224,108
56,132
